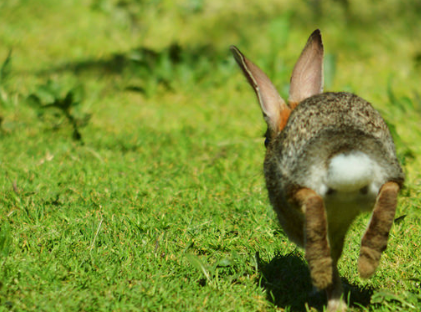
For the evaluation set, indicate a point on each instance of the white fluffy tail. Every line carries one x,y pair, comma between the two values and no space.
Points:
350,172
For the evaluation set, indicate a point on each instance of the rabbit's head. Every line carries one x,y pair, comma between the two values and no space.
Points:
306,81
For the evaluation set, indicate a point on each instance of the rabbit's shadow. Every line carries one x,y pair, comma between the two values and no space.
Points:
286,279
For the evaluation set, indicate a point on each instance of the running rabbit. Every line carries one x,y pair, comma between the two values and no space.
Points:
330,156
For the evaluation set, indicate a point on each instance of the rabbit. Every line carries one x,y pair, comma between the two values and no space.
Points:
330,156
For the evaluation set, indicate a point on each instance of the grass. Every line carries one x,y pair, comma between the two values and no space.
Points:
162,205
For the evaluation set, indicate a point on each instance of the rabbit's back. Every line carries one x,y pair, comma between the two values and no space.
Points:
326,125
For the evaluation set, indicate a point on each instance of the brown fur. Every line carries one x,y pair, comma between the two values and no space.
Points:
317,249
374,241
284,118
293,105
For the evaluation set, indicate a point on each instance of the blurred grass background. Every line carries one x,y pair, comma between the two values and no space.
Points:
160,203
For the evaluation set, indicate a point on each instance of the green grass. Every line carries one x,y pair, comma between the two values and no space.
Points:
162,206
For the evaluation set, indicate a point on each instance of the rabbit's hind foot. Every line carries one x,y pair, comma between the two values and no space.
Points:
374,241
317,249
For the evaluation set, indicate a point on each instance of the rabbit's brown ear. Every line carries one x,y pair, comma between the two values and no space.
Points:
275,110
307,76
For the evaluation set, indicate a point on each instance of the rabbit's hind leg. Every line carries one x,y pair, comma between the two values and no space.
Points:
374,241
317,250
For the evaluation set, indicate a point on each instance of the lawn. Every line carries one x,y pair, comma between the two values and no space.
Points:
132,150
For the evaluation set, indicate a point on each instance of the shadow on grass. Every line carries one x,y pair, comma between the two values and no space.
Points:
286,279
117,63
143,69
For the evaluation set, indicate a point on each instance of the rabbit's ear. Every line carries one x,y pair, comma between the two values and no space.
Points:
307,76
275,110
